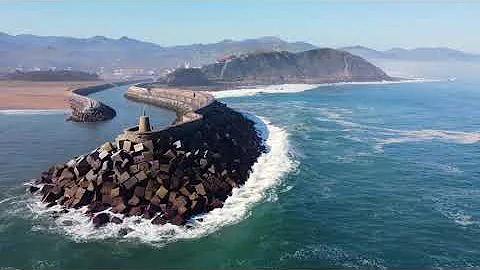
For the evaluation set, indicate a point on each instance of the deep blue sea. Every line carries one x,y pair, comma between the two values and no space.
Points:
357,176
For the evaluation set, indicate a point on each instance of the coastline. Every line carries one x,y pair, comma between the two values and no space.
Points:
54,96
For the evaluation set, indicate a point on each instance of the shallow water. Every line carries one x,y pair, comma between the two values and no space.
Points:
357,176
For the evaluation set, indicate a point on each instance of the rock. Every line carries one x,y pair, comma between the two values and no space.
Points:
119,208
135,211
203,163
67,222
127,145
115,192
100,219
161,192
124,231
96,207
116,220
149,145
200,189
141,176
169,154
103,155
107,146
139,191
124,177
138,147
32,189
147,156
51,204
130,182
134,201
159,220
178,220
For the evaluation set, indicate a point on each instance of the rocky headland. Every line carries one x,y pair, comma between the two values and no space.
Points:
266,68
167,175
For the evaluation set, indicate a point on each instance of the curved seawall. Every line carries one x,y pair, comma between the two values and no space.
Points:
186,104
85,109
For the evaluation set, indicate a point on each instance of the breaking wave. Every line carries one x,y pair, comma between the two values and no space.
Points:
266,173
296,88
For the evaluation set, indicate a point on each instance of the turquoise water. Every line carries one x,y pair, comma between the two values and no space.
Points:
373,176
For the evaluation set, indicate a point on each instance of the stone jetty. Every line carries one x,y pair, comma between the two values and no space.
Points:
167,175
86,109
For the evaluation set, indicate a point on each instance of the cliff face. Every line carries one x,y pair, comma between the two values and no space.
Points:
186,77
314,66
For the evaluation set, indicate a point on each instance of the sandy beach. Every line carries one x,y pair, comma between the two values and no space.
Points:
37,95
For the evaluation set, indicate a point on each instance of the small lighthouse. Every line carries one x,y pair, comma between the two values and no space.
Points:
144,123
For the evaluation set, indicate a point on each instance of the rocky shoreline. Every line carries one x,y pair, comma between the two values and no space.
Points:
167,175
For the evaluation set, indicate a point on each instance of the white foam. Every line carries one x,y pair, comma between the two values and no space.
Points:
296,88
31,111
266,173
271,89
386,136
406,136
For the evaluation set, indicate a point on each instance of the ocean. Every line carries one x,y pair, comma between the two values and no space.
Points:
356,176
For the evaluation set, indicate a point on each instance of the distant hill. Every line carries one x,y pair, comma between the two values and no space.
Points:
418,54
313,66
52,76
92,53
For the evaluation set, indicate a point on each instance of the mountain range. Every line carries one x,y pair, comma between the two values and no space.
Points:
417,54
92,54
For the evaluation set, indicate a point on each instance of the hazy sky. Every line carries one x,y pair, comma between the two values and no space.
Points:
379,25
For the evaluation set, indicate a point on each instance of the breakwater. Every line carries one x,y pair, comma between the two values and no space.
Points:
86,109
166,175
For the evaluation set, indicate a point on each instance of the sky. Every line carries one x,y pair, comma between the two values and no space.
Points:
379,25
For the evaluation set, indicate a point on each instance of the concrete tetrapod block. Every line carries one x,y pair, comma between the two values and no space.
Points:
134,200
138,159
139,191
91,176
107,146
169,154
138,147
164,168
103,155
141,176
200,189
115,192
124,177
130,182
127,145
149,145
147,156
161,192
